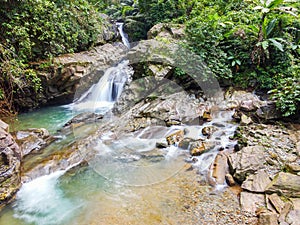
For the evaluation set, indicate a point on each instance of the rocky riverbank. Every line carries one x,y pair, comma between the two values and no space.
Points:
10,165
241,165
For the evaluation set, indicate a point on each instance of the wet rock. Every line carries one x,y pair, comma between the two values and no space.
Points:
245,120
199,150
199,147
268,111
185,143
237,115
207,116
175,137
230,180
250,202
245,162
208,131
79,120
10,161
33,140
267,218
257,182
170,123
162,144
219,168
286,184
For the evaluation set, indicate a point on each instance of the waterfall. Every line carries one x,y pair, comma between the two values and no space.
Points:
123,34
107,90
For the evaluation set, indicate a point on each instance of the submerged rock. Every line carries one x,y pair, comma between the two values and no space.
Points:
10,161
175,137
79,120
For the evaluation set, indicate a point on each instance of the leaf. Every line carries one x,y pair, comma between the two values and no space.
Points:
258,7
265,10
270,27
273,4
263,2
276,44
265,45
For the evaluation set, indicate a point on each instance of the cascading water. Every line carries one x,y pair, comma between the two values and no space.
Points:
108,89
123,34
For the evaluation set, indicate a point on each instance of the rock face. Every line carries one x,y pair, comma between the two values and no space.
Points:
68,76
10,157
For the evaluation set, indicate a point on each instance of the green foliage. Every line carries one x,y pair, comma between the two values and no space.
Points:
39,29
36,29
252,44
15,76
156,11
287,92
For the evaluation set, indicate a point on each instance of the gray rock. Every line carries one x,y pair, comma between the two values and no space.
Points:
284,212
247,161
276,202
268,218
10,161
164,30
219,168
250,202
293,167
286,184
257,182
4,126
268,111
245,120
33,140
293,217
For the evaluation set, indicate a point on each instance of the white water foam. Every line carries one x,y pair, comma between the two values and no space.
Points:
42,202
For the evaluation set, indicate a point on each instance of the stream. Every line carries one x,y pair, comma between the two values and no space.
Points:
128,181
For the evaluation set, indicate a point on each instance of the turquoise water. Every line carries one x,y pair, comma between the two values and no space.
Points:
129,181
51,118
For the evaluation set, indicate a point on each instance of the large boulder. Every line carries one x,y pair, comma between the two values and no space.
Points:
33,140
167,31
246,162
10,157
257,182
286,184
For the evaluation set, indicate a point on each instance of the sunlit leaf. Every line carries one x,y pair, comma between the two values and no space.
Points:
277,44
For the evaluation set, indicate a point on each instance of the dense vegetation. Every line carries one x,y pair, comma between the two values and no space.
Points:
34,29
248,43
